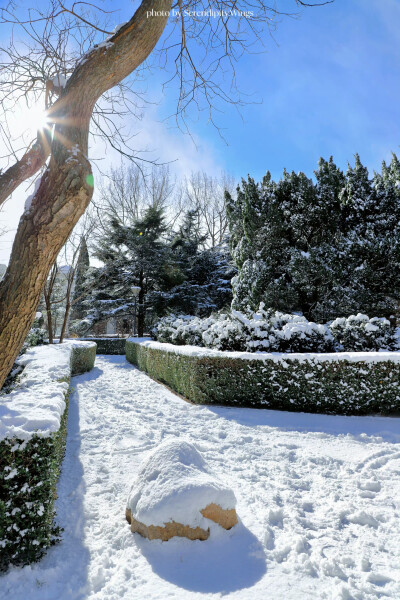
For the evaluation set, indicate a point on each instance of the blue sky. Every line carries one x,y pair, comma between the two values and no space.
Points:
329,84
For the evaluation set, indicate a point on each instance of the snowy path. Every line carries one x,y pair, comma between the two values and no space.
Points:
318,500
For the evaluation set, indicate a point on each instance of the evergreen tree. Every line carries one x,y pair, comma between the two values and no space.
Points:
203,275
83,263
135,255
327,248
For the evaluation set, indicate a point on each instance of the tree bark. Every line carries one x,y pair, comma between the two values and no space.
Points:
33,160
67,187
140,310
49,319
64,325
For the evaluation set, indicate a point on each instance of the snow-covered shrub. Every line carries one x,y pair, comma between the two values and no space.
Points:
224,333
32,443
107,345
37,335
181,330
359,332
27,491
273,331
261,331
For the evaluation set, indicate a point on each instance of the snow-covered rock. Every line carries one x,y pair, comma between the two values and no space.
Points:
176,494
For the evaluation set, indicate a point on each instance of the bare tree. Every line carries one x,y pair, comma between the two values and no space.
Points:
206,195
129,191
59,296
70,280
79,84
50,300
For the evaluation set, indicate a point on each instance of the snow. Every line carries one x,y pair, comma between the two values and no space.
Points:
118,27
175,484
275,356
106,44
59,80
306,527
38,403
28,201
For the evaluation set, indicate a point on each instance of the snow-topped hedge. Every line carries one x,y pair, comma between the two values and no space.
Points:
108,345
272,331
33,419
336,383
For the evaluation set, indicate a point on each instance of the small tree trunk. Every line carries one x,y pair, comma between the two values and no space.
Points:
64,325
140,311
49,320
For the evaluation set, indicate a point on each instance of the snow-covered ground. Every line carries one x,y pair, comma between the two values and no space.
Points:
318,500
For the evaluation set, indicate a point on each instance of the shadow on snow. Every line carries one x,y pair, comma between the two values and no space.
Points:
387,428
231,561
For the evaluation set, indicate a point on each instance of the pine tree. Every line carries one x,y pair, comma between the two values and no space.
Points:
83,263
327,248
135,255
203,275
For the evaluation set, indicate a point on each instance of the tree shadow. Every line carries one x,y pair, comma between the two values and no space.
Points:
387,428
118,361
70,558
63,572
225,563
88,375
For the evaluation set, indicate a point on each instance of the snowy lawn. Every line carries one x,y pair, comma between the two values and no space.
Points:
318,499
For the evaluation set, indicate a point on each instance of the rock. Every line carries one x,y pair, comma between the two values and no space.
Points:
171,529
227,518
176,494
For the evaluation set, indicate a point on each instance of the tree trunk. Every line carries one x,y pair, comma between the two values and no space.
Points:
140,312
49,319
67,185
64,325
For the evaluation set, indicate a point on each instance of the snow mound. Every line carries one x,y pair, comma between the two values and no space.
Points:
175,484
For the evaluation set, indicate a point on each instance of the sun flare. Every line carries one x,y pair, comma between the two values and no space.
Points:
36,117
32,119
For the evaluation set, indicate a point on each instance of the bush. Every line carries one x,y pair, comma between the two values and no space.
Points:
30,460
360,333
183,329
108,345
330,384
267,330
37,336
264,330
83,357
224,333
28,476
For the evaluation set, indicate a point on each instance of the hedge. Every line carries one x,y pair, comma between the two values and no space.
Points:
28,479
82,358
108,345
331,383
30,462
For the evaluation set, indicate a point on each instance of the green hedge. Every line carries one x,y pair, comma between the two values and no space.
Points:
108,345
333,386
29,472
82,359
